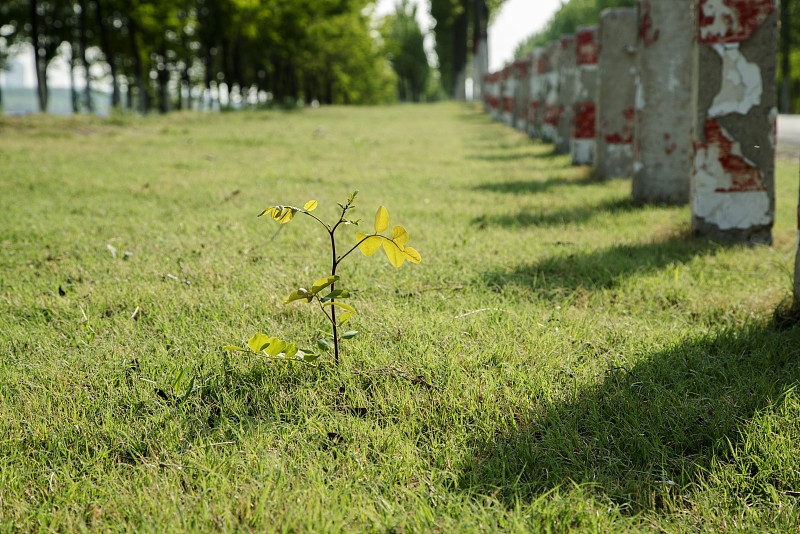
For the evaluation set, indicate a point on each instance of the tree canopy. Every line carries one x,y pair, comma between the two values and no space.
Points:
321,50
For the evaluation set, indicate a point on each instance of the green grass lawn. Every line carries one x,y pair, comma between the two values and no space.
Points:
596,368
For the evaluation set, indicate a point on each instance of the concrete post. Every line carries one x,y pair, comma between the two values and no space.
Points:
616,94
567,73
493,95
522,96
551,110
509,88
733,193
663,112
582,145
536,92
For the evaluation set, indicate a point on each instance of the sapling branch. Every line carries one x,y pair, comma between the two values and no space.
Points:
396,251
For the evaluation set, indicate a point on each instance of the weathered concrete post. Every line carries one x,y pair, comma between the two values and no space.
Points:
509,88
537,94
733,193
493,92
551,110
582,145
567,73
796,284
663,112
522,97
616,94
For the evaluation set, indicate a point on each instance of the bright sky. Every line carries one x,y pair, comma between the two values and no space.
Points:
514,22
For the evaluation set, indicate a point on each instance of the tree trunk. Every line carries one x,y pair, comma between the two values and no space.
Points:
786,48
480,51
72,91
460,33
108,51
162,75
39,59
138,68
83,45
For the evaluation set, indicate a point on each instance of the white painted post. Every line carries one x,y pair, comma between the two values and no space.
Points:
616,94
732,193
585,107
537,93
522,96
509,87
663,112
567,73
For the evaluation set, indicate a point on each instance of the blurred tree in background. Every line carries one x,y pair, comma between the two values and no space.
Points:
405,50
168,52
461,29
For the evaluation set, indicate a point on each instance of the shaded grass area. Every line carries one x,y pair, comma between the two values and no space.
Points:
597,368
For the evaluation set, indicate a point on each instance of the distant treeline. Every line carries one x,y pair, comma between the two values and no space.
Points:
166,51
576,13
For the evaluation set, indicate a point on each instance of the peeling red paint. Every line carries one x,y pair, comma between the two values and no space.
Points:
567,41
740,18
584,120
551,114
744,177
648,34
508,104
532,109
588,47
670,149
626,135
541,66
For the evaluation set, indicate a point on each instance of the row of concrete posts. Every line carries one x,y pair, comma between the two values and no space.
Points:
678,95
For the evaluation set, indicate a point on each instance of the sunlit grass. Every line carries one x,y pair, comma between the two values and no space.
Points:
598,368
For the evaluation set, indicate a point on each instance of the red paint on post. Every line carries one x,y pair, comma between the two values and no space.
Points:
730,21
626,135
551,114
588,47
648,35
534,106
744,177
541,66
584,120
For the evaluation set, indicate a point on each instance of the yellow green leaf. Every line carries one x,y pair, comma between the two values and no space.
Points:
368,245
275,346
258,342
341,305
289,351
311,205
381,220
287,215
297,295
412,255
399,236
322,283
393,252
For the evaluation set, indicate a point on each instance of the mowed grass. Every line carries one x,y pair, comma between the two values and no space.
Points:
598,369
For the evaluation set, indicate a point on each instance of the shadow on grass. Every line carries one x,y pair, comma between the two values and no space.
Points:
558,217
506,154
602,268
527,187
659,426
